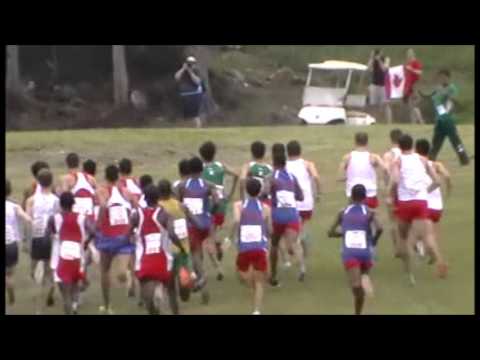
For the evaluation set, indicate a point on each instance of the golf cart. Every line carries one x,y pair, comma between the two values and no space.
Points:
335,94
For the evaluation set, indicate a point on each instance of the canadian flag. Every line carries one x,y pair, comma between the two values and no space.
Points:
395,82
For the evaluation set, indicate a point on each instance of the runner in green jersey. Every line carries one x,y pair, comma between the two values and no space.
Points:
443,100
257,168
214,172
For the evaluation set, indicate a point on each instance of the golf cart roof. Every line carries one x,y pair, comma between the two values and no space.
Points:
338,65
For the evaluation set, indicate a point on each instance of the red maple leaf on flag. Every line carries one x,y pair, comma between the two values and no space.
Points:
397,80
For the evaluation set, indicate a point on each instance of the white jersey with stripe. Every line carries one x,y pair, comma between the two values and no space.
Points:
299,169
44,206
414,180
434,199
116,197
11,223
132,187
82,183
361,171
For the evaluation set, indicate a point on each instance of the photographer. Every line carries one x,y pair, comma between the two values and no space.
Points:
191,90
379,65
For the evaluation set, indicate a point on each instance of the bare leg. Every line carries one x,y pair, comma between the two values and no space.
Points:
147,293
259,280
274,258
406,248
9,283
67,294
210,247
172,296
355,280
292,241
105,266
432,246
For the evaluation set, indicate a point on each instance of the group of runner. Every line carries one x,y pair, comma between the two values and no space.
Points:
159,233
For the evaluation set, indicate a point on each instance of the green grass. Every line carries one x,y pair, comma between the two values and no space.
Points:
325,291
262,60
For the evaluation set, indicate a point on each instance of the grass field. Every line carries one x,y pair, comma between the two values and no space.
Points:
325,291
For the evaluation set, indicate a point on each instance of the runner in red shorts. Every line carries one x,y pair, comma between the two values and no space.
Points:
435,198
410,175
71,230
251,228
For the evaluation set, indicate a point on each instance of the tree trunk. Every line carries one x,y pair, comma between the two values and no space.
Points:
13,70
120,76
203,55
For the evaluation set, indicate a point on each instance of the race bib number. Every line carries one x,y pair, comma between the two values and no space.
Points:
441,110
250,233
194,205
286,199
70,250
356,239
153,244
118,215
83,206
180,228
39,226
9,234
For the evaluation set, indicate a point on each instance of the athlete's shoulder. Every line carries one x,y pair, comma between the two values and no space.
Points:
219,164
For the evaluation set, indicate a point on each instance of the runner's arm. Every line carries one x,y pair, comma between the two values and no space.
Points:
29,206
243,180
236,220
171,230
377,161
342,168
312,169
333,232
298,191
20,212
378,228
435,179
267,186
442,171
387,160
50,230
234,175
394,178
268,219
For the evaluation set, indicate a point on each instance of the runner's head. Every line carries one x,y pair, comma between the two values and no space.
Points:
164,189
279,160
45,178
90,167
144,181
184,168
361,139
395,135
294,149
196,166
359,193
405,142
258,150
8,188
111,174
66,201
37,166
72,160
278,149
443,77
207,151
253,187
151,195
125,167
422,147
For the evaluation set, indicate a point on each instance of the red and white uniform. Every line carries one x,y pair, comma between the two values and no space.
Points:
70,233
131,184
116,218
84,193
361,171
412,189
153,262
434,201
299,169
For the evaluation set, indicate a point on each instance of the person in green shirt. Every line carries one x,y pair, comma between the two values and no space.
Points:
443,99
214,172
257,168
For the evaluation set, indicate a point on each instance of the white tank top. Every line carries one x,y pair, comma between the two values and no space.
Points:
117,198
299,169
396,152
434,199
82,183
11,222
44,206
361,171
132,187
38,189
414,179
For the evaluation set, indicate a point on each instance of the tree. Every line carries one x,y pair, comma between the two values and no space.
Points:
120,75
13,70
203,54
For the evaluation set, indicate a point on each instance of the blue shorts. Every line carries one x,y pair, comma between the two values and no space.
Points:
117,245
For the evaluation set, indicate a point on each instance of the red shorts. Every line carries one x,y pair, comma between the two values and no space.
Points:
371,202
197,237
69,271
267,202
218,219
408,211
279,229
306,215
435,215
154,267
356,263
255,258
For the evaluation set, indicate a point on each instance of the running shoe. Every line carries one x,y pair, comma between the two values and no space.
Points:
104,311
205,298
442,270
256,312
274,283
